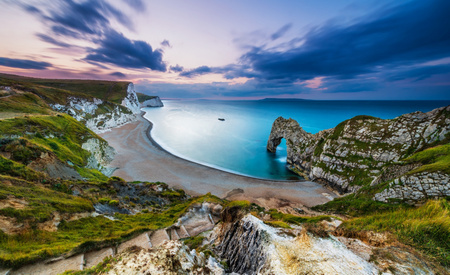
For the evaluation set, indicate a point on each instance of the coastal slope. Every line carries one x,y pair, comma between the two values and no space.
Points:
404,158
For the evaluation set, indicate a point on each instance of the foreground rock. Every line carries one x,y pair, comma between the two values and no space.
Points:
249,246
366,151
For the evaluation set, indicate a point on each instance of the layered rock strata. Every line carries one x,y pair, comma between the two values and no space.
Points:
359,151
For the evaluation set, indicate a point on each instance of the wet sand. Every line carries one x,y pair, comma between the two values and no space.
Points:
139,158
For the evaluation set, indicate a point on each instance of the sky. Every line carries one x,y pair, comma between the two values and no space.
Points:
236,49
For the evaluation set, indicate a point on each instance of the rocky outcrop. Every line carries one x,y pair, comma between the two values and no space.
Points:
252,247
171,257
101,155
153,102
131,100
99,115
358,151
417,187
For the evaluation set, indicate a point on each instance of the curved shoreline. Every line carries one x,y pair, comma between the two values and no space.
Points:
156,144
139,158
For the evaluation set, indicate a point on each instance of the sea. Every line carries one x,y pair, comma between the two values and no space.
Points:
192,129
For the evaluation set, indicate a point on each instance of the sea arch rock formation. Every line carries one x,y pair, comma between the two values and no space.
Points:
368,151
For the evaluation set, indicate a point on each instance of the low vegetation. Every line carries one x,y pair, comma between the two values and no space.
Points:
294,219
433,159
426,228
144,97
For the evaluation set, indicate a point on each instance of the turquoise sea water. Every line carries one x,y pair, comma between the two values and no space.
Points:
191,129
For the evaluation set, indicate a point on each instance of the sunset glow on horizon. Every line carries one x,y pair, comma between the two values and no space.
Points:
249,49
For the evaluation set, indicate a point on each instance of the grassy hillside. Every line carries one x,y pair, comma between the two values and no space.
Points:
113,91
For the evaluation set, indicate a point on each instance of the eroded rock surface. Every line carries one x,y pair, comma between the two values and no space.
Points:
99,115
360,151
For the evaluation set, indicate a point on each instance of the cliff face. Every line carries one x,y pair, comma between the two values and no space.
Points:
363,150
153,102
99,115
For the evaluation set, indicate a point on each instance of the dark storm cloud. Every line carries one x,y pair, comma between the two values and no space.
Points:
177,68
24,63
90,21
114,48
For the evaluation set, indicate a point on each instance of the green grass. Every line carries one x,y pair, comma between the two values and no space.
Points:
24,103
426,228
113,91
194,242
433,159
241,204
87,233
143,97
65,135
354,205
15,169
42,202
293,219
279,224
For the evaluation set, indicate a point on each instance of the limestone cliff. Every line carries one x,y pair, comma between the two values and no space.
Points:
366,151
153,102
100,115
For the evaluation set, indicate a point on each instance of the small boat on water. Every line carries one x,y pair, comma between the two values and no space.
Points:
221,119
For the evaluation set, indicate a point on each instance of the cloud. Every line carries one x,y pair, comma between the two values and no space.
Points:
137,5
166,43
279,33
70,22
197,71
376,45
24,63
53,41
406,34
118,74
419,73
177,68
114,48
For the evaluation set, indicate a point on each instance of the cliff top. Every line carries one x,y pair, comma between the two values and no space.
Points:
113,91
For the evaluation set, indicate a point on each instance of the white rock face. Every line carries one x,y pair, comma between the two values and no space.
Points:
131,100
100,116
101,155
284,254
172,257
154,102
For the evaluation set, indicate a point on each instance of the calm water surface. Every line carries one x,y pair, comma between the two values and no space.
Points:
191,129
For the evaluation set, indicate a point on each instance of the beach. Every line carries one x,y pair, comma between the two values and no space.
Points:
139,158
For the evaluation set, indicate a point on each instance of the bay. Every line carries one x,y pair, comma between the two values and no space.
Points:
192,129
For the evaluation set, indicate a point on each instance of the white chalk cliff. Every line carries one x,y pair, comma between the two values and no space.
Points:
99,115
153,102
